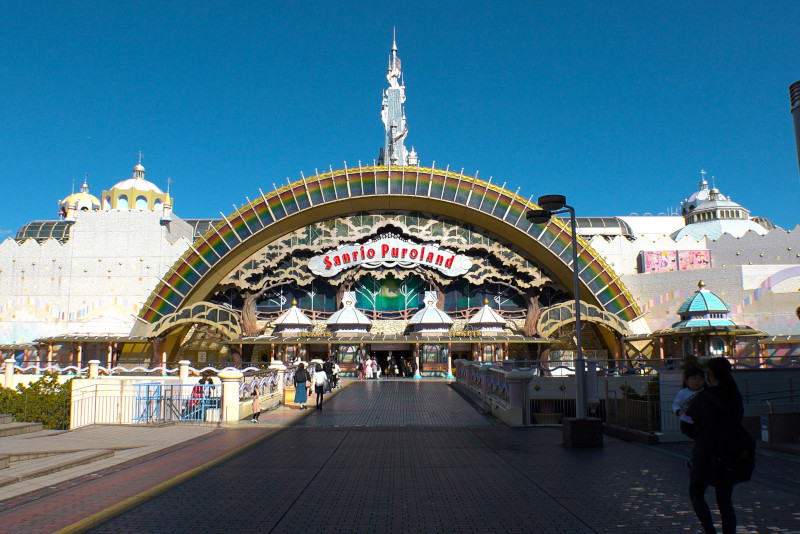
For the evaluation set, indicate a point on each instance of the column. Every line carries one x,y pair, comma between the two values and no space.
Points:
80,357
518,405
230,394
9,373
416,359
281,369
183,371
110,352
94,366
49,355
449,362
164,361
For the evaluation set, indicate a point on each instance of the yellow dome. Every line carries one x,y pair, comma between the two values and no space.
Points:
81,201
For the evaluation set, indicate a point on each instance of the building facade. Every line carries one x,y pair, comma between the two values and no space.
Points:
127,279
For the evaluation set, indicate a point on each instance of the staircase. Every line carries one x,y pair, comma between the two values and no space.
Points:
18,462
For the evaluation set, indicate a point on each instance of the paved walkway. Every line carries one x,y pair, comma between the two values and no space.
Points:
405,456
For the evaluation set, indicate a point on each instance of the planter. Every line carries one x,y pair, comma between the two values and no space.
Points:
288,395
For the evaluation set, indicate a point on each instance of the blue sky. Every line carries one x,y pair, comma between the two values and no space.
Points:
617,105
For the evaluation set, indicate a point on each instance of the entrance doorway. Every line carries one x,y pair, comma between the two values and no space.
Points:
400,357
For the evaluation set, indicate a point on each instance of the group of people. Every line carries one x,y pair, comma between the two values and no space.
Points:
371,369
322,379
710,410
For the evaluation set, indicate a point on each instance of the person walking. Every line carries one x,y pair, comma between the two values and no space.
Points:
712,412
256,405
301,386
368,369
360,369
319,385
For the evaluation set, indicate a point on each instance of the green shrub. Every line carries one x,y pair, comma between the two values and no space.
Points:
45,401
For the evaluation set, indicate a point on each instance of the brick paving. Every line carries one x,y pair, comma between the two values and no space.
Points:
350,468
413,456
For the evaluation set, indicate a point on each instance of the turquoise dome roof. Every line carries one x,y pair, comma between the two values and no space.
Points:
703,301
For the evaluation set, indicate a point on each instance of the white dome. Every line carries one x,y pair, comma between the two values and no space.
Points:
138,184
137,181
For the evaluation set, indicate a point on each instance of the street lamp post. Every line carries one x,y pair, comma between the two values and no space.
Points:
555,205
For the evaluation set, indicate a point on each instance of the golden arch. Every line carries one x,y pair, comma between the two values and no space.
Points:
338,193
561,314
225,320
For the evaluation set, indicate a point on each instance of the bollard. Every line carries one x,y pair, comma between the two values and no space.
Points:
183,371
230,394
9,373
94,368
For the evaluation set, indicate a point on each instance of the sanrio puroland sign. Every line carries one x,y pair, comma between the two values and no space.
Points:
389,252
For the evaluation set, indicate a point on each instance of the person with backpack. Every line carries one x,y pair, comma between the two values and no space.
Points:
723,452
301,384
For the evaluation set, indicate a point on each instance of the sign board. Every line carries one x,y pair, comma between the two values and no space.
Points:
390,251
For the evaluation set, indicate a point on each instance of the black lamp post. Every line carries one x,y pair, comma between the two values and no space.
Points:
555,205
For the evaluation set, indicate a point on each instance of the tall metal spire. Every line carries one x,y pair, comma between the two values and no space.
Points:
393,115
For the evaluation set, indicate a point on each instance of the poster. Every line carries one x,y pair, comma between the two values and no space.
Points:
689,260
657,261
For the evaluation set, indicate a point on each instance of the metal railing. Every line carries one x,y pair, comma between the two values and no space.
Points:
144,404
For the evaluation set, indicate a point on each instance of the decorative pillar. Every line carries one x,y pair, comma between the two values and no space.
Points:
417,374
94,366
9,373
183,371
108,359
49,355
518,405
449,362
80,357
483,371
660,341
281,369
164,361
230,394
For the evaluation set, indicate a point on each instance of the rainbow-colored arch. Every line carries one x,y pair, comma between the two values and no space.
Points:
336,193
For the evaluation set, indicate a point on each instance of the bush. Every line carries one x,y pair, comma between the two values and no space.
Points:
45,401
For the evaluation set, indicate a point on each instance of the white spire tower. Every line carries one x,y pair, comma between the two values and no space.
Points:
393,115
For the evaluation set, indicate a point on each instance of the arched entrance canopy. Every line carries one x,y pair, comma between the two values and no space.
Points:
561,314
223,319
336,193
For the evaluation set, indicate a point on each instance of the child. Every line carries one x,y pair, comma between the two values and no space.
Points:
693,383
256,405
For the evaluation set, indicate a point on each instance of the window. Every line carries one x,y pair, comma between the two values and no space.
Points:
122,202
107,203
141,203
